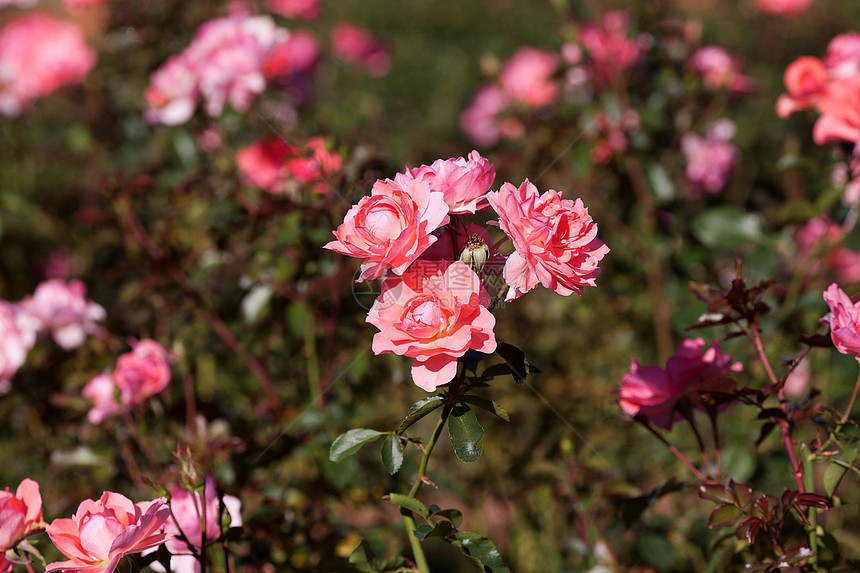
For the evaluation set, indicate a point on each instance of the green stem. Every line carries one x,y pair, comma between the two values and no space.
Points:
408,519
812,513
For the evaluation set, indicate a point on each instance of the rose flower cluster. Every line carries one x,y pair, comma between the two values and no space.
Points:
434,305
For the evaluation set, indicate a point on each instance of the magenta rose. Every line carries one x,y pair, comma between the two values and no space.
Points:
654,392
844,321
392,227
555,240
434,313
463,182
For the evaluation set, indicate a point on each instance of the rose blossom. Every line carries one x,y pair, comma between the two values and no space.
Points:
39,54
101,391
189,513
654,392
16,340
289,65
434,313
480,120
263,163
844,321
806,82
62,309
719,70
840,113
710,159
141,373
20,514
172,92
555,240
463,182
305,9
527,77
358,46
820,240
609,49
843,56
392,227
102,532
783,7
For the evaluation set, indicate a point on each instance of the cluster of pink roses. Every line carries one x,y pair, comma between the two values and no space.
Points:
434,305
831,86
38,55
55,307
275,166
103,531
139,374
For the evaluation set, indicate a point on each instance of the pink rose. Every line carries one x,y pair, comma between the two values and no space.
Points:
305,9
82,4
719,70
101,391
783,7
609,48
358,46
463,182
654,392
392,227
480,120
820,240
840,113
289,65
172,92
710,159
102,532
844,321
434,313
263,163
527,77
20,514
193,517
39,54
62,309
17,336
806,81
142,373
843,56
555,240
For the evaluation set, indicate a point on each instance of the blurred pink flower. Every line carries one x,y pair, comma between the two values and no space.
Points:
101,390
391,228
840,112
783,7
609,48
102,532
16,340
82,4
480,120
358,46
844,321
305,9
654,392
189,516
263,163
20,514
797,381
39,54
719,70
434,313
806,81
612,134
62,309
463,182
527,77
141,373
820,239
289,64
555,240
843,56
172,92
710,159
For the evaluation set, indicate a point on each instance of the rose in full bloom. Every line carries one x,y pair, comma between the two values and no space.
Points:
555,240
355,45
392,227
840,113
783,7
434,313
710,159
844,321
62,309
463,182
527,77
141,373
199,523
20,514
102,532
654,392
39,54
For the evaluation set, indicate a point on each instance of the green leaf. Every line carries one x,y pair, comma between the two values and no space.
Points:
441,529
717,493
455,516
832,476
724,516
656,550
392,453
418,410
728,227
482,550
487,405
465,433
362,558
501,369
409,503
350,442
516,361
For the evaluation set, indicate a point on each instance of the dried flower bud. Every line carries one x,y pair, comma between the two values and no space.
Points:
475,253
